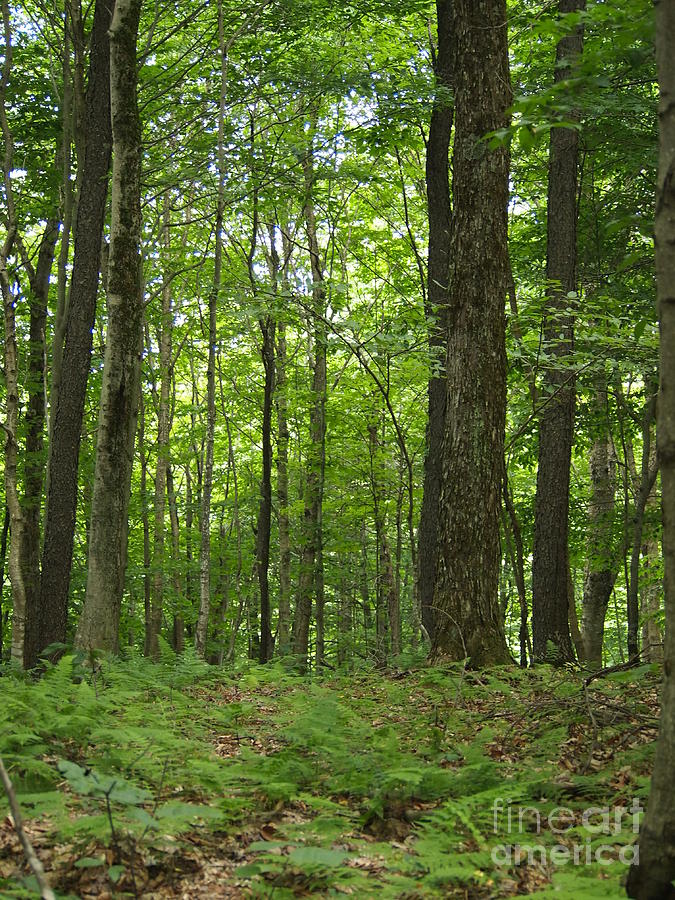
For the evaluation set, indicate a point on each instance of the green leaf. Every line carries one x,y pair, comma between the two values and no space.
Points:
311,857
89,862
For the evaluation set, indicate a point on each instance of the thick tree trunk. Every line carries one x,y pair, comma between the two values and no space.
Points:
439,213
600,573
99,623
653,878
67,414
467,615
550,625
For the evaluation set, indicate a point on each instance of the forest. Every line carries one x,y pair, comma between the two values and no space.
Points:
337,400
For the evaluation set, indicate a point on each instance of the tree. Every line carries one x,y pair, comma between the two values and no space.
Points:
468,622
99,623
437,300
67,414
550,565
654,877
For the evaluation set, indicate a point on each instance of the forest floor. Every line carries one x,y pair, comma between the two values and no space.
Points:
174,780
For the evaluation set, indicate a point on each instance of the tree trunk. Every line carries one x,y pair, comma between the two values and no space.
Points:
317,429
653,878
34,463
67,413
99,623
265,510
163,434
440,218
650,601
149,640
201,632
364,585
600,572
178,622
284,633
391,622
516,555
648,474
468,621
550,624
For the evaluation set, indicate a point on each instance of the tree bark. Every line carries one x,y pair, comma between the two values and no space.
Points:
653,878
163,437
440,220
284,633
600,573
34,462
178,621
468,621
68,411
201,631
265,510
651,591
99,623
550,625
648,475
317,429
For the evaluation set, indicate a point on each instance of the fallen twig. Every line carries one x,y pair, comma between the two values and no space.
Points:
33,861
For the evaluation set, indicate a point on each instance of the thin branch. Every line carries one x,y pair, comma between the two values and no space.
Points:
33,861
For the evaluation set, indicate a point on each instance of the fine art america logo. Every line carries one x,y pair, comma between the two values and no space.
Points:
580,841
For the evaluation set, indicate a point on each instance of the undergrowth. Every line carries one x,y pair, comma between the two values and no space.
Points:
138,779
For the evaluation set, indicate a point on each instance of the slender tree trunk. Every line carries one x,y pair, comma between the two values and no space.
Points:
467,615
653,878
178,622
4,534
648,474
284,634
364,585
550,622
265,510
189,556
440,217
99,623
516,554
600,572
68,411
150,641
34,462
237,530
651,592
163,437
391,622
313,486
201,632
